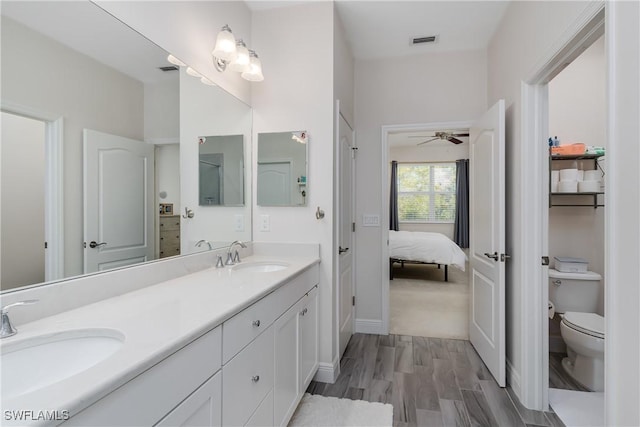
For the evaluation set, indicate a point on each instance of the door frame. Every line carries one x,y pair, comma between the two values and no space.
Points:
384,220
336,256
53,186
532,384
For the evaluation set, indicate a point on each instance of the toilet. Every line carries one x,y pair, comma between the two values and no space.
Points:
575,296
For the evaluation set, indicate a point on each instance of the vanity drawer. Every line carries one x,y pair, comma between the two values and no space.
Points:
247,379
242,328
170,222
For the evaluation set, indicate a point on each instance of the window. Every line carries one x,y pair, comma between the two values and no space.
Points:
427,192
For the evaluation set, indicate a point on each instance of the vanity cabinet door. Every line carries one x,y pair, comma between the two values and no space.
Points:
202,408
286,382
308,338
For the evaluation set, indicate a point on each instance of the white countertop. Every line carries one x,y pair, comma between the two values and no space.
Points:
156,321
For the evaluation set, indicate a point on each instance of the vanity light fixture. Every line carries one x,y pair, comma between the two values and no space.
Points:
254,73
207,81
194,73
300,137
175,61
242,59
225,48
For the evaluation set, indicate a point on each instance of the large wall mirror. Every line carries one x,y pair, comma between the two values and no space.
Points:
93,156
282,169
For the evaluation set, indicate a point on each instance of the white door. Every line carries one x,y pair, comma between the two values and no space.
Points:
118,201
274,183
487,240
345,232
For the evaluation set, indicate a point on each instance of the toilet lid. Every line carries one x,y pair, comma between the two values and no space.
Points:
588,323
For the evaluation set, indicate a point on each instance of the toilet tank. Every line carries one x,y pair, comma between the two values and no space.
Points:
574,291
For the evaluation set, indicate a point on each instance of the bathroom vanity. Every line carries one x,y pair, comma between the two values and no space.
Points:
230,346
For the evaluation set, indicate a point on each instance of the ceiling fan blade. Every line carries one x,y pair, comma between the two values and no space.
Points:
459,134
429,140
420,136
454,140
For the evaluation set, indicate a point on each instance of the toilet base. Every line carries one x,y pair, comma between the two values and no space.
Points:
586,371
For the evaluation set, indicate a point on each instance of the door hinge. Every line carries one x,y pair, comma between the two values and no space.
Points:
353,227
354,151
45,245
353,300
545,260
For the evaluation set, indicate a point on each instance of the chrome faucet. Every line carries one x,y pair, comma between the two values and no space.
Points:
200,242
234,258
6,328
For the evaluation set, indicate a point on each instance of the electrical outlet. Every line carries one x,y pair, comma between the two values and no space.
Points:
264,223
239,223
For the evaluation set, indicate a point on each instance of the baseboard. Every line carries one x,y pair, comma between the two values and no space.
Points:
513,380
369,326
328,372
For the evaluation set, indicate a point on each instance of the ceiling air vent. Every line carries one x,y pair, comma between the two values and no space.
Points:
428,39
169,68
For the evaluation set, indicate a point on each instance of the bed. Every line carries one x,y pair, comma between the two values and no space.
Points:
416,247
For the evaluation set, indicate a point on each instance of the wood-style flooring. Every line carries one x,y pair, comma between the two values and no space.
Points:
429,382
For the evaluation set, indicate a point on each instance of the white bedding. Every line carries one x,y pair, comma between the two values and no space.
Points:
420,246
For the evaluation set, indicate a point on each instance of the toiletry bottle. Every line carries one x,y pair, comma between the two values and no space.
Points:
556,141
550,142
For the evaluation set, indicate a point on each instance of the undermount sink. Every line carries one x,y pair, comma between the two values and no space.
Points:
261,267
35,363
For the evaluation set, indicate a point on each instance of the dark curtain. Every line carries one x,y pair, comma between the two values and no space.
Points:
461,225
393,198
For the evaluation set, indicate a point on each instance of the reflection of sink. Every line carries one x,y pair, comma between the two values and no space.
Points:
261,267
34,363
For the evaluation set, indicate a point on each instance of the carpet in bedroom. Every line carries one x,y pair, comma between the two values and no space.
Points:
423,304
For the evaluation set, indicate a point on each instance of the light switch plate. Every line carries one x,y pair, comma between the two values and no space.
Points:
371,220
264,223
239,222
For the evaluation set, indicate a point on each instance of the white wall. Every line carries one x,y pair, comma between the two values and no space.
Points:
430,153
86,93
622,377
168,174
296,46
206,111
522,39
188,30
442,87
577,113
22,176
161,110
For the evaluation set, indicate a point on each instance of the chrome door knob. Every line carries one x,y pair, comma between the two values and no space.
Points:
94,244
493,256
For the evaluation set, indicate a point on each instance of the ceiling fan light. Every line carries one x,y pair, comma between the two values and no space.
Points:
225,48
193,73
175,61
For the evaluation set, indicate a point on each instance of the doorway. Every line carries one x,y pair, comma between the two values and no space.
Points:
418,300
536,183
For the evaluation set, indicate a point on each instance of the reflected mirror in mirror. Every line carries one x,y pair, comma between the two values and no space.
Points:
88,105
282,169
221,170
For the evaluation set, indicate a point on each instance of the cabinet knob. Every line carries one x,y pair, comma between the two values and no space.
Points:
256,323
255,378
303,312
557,282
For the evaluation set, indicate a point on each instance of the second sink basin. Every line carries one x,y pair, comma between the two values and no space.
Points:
261,267
35,363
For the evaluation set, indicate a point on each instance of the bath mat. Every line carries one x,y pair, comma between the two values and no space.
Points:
316,410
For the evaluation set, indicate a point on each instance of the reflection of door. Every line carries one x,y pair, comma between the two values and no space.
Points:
118,201
487,240
23,201
274,183
211,179
345,233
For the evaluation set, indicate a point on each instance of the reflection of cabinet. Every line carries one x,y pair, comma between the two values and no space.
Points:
583,161
169,236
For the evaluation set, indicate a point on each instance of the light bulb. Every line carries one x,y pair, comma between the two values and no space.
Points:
242,59
225,48
193,72
254,73
207,81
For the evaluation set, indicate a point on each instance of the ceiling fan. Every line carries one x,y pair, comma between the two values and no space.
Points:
446,136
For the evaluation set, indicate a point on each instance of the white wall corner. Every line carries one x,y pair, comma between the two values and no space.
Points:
369,326
328,372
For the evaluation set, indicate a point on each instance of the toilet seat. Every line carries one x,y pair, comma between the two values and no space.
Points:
587,323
